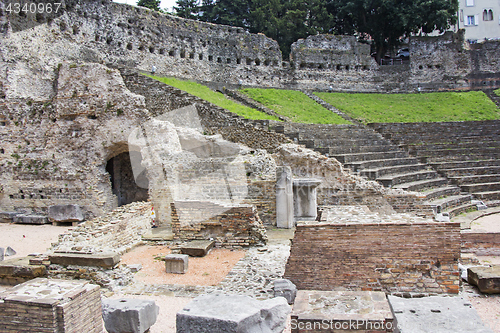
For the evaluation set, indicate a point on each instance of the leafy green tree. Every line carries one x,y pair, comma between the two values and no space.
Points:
151,4
187,8
387,22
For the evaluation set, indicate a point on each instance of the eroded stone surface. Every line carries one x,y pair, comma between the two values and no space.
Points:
232,314
487,279
176,263
370,311
107,260
129,315
197,248
65,213
437,314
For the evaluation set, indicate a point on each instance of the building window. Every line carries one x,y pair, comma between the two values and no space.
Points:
487,15
472,20
469,3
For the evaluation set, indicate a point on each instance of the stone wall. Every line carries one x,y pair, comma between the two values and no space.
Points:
237,226
136,37
395,257
118,231
54,151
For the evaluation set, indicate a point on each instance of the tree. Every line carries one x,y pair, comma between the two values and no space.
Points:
387,22
229,12
187,8
151,4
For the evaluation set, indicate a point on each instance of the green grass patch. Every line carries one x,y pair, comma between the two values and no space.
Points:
497,92
428,107
213,97
294,105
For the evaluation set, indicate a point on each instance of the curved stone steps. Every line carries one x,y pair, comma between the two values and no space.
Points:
407,177
376,173
422,185
472,171
476,179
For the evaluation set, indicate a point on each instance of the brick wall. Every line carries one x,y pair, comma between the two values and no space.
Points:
43,305
481,243
230,226
419,257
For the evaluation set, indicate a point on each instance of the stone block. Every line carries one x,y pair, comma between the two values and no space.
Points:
233,314
436,314
106,260
134,268
2,250
10,251
7,217
176,263
20,267
30,219
65,213
285,288
198,248
487,279
342,311
129,315
284,198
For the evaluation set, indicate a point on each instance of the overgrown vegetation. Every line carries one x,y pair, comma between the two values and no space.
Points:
213,97
497,92
295,105
428,107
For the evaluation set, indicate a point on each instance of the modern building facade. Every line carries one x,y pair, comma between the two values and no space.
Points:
480,19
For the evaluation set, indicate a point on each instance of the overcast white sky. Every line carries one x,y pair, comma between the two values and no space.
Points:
164,3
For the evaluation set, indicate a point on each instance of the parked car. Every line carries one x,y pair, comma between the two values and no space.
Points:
403,54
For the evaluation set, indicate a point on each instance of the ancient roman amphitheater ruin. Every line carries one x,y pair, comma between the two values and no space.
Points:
364,223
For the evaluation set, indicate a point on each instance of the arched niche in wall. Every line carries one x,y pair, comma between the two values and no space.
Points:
127,186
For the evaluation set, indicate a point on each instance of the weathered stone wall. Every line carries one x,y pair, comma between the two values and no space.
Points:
235,227
118,231
55,149
392,257
124,35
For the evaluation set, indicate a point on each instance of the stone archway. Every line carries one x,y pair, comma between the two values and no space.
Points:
125,187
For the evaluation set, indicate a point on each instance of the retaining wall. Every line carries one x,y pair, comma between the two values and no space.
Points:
418,257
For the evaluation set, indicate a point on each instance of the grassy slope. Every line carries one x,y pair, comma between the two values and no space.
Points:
213,97
429,107
295,105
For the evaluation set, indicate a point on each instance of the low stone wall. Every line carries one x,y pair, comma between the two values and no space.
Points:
230,226
392,257
409,202
118,231
481,243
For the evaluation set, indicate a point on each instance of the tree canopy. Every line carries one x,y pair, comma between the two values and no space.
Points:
385,22
151,4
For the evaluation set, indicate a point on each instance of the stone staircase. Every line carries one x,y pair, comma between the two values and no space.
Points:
368,154
466,153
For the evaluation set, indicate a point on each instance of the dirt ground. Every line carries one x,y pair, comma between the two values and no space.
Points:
205,271
26,239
